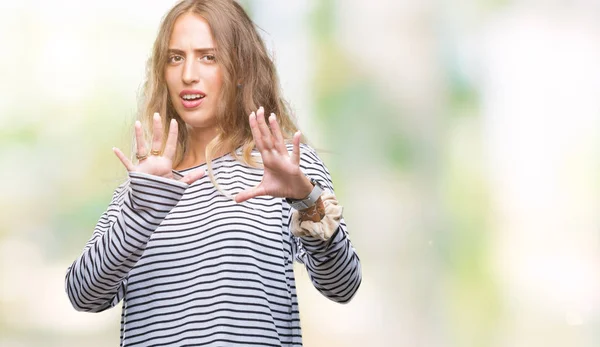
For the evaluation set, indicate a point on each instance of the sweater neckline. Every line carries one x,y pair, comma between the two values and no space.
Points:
214,160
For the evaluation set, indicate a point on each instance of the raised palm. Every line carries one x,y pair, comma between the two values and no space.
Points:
154,162
282,175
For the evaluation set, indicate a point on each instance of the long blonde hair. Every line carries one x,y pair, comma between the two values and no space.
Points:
249,81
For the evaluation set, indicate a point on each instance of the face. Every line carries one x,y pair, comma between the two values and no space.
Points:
193,77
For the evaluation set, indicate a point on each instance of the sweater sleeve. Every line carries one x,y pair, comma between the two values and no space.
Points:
96,280
333,265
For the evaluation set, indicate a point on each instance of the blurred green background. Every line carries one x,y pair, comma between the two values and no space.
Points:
463,138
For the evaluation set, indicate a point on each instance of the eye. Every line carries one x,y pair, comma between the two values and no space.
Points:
210,58
174,59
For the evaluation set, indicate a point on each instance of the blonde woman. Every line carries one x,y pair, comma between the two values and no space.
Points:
207,260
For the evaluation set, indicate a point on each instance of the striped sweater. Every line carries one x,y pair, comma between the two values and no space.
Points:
194,268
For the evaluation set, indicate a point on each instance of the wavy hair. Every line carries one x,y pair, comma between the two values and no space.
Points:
249,81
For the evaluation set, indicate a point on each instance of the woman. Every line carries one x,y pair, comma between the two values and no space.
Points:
208,260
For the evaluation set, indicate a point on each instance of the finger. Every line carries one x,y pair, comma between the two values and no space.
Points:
157,133
279,144
139,139
256,132
249,194
264,129
192,176
171,145
126,162
296,149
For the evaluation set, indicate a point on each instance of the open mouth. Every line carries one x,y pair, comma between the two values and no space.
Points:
191,98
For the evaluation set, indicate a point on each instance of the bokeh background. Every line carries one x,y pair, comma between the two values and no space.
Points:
463,137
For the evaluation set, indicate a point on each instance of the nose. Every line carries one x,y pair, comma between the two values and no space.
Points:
190,73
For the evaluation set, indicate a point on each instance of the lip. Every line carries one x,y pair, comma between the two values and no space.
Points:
189,104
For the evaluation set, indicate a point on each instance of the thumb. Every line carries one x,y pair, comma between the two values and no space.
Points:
249,194
126,162
192,176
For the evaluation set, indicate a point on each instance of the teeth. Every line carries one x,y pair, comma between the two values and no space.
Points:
192,96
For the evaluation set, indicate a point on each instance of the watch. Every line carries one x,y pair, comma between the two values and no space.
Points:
310,200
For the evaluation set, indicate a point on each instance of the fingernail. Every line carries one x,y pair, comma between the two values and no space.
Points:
156,115
273,115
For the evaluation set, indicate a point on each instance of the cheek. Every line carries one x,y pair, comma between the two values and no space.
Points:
216,78
217,86
170,80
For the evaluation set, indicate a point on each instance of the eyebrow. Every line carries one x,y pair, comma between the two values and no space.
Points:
197,50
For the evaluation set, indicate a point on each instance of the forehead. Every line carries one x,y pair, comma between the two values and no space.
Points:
191,31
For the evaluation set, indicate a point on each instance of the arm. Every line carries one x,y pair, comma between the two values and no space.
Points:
333,265
96,280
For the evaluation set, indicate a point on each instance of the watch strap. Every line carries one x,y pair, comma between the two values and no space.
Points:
310,200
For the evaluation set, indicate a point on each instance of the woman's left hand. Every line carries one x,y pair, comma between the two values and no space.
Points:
282,175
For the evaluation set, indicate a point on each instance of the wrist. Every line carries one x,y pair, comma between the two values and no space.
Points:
308,200
304,189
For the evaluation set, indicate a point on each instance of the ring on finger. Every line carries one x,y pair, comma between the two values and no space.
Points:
141,157
155,152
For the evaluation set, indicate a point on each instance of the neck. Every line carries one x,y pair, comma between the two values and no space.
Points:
198,140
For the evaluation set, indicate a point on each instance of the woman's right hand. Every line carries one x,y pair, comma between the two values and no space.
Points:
153,162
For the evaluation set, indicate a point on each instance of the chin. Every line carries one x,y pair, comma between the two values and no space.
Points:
196,119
